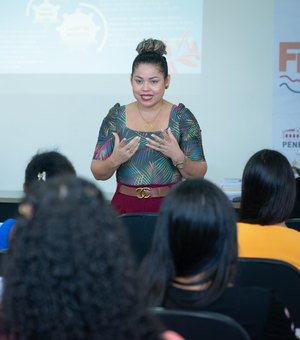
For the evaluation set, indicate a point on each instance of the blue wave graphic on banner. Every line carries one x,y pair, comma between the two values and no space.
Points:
291,84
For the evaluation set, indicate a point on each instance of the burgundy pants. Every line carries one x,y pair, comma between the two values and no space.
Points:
130,204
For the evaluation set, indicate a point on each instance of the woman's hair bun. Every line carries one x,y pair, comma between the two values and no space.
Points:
152,45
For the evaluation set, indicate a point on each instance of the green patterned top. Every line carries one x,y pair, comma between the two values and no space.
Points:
149,166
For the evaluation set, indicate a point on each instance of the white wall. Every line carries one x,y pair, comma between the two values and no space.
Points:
237,83
232,100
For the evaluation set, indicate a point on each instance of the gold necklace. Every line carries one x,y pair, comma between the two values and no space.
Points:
150,124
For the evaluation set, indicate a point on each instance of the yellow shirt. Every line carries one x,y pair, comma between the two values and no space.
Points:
275,242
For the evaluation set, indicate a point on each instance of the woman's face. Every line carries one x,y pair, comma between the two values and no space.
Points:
148,84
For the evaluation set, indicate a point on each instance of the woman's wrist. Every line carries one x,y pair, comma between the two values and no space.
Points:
114,162
180,162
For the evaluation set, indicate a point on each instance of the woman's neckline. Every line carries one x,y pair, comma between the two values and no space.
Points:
192,283
150,132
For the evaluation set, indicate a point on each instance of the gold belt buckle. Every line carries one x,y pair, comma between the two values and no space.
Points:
143,192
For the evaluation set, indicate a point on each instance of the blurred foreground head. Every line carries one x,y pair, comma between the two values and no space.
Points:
69,272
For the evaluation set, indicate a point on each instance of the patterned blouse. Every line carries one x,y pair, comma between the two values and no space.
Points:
149,166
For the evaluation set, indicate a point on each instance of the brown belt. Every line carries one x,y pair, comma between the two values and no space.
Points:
144,192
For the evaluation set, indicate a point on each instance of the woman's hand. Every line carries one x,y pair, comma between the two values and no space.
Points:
123,150
104,169
167,145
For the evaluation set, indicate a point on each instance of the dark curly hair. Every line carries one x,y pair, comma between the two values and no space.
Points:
69,272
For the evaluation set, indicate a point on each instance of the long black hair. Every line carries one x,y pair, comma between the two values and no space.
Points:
195,233
268,188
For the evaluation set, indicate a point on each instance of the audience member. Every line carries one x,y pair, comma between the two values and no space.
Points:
192,262
41,167
69,273
268,196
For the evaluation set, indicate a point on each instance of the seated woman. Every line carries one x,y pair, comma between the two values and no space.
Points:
41,167
69,273
192,262
268,196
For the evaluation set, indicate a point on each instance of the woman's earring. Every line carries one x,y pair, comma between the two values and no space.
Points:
167,86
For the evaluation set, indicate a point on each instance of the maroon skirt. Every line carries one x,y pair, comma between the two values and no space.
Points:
139,199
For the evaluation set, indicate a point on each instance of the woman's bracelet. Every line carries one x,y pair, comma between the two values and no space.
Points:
181,165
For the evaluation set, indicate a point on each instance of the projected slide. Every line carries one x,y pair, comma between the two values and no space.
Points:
96,36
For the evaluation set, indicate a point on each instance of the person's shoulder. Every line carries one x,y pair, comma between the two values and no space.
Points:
256,298
180,108
116,109
292,232
5,231
8,223
247,225
282,232
253,227
250,293
260,306
274,229
182,112
244,303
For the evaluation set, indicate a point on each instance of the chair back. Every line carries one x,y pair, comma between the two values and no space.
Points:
293,223
278,275
3,255
201,325
140,229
